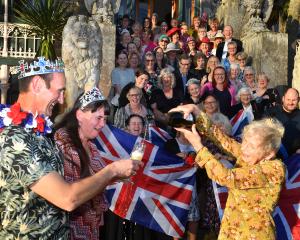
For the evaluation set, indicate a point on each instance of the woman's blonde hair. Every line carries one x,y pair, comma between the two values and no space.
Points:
262,75
270,131
166,72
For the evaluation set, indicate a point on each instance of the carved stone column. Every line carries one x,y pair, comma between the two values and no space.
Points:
270,54
108,34
296,72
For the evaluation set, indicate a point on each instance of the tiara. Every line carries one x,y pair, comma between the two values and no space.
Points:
41,66
90,96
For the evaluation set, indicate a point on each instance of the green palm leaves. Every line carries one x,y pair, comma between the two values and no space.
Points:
47,17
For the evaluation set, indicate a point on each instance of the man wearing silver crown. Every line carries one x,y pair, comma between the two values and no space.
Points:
34,196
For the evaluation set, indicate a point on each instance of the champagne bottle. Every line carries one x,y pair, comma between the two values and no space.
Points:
176,120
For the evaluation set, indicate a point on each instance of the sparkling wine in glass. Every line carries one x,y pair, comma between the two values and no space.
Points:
138,151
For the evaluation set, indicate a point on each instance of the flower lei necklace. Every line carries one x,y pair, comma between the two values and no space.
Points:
12,115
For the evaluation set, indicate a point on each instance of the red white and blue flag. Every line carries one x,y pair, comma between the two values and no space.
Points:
287,213
158,136
160,193
238,122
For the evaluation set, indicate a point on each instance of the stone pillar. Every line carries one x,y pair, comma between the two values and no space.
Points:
4,87
5,33
269,51
296,72
108,33
4,75
231,13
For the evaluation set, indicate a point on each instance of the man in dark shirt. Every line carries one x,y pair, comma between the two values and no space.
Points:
183,74
289,115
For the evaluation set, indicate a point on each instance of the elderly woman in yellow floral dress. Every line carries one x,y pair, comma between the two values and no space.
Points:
254,183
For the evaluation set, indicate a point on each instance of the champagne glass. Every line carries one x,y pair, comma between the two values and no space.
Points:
137,154
138,151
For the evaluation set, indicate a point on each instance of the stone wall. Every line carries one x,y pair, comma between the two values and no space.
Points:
108,33
269,51
296,72
230,12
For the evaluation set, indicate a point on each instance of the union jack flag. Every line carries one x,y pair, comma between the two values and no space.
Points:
158,136
287,213
238,122
160,193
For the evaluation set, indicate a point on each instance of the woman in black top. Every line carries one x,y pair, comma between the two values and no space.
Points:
267,97
193,87
199,72
165,98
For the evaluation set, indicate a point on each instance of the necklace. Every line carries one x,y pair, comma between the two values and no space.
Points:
13,115
136,111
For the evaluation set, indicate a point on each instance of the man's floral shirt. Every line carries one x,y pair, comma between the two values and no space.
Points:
26,157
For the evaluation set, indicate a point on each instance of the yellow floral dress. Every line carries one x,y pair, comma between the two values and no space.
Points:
253,189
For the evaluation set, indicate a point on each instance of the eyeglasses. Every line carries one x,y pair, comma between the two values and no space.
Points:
165,41
209,103
136,124
245,95
249,74
149,60
134,95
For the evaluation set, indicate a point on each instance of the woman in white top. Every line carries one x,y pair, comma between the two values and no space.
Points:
122,74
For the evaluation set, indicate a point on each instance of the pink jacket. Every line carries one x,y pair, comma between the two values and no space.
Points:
208,87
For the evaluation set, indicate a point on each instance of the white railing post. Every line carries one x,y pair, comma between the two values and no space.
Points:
5,50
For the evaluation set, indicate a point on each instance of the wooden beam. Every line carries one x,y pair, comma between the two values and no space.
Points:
192,11
174,8
150,8
137,10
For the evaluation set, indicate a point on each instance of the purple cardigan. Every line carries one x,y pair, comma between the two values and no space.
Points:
208,87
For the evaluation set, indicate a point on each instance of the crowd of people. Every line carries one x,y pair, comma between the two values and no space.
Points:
160,67
201,64
182,64
174,64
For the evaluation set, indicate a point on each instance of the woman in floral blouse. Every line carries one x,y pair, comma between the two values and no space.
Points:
254,183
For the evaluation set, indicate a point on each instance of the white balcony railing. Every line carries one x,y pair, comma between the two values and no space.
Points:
22,43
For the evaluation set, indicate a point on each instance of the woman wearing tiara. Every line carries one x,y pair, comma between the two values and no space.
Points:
74,137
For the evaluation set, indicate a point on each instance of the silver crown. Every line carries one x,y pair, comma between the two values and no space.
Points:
90,96
39,67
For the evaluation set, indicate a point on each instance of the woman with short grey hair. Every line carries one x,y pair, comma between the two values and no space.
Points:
231,58
242,59
247,108
249,78
193,87
233,75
